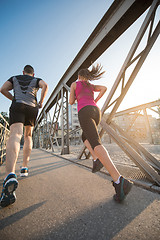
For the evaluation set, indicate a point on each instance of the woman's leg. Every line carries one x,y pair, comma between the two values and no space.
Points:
88,146
97,165
105,159
89,118
101,153
89,121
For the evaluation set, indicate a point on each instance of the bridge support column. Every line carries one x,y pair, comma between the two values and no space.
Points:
65,122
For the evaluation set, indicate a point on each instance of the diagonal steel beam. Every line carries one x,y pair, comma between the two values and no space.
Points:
129,58
149,171
137,147
139,107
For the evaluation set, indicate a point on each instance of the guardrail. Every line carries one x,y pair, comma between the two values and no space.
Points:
4,134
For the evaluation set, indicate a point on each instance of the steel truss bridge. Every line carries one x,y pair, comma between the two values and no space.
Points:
118,18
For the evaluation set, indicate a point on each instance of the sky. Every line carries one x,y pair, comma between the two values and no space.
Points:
49,34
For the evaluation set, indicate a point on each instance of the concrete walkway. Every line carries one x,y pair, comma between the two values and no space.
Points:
61,200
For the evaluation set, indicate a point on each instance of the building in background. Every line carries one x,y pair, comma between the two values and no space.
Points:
73,117
75,130
137,127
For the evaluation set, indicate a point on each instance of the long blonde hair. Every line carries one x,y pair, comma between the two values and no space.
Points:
93,74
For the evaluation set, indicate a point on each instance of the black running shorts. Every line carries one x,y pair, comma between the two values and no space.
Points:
20,112
89,117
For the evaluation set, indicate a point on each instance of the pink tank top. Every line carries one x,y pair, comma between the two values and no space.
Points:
84,94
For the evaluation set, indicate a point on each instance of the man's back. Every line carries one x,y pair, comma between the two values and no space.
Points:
25,89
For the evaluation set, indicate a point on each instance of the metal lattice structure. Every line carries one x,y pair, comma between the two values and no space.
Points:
141,110
119,17
4,134
45,134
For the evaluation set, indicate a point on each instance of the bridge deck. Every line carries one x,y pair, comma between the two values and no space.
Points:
63,200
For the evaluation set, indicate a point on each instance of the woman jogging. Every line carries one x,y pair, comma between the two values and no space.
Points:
89,116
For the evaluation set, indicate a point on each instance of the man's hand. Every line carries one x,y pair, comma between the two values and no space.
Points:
40,104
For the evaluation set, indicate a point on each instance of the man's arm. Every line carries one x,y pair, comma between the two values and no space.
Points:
44,91
7,86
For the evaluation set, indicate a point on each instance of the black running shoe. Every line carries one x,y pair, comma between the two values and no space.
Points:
8,195
97,165
24,172
122,189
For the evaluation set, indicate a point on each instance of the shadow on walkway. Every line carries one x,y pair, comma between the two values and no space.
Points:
17,216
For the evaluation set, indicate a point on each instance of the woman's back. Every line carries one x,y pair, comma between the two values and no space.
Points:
84,94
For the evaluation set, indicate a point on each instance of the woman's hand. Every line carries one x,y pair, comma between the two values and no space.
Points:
101,90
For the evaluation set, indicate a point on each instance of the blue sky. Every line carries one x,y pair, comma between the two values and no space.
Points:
49,34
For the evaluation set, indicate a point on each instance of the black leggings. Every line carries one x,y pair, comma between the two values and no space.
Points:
89,117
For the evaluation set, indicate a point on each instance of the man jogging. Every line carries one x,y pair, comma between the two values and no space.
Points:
23,112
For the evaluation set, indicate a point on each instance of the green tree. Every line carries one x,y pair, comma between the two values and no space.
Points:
5,116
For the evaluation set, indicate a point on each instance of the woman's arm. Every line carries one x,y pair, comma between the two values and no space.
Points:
101,90
72,97
7,86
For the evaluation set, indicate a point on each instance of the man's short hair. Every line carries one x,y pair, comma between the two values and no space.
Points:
28,69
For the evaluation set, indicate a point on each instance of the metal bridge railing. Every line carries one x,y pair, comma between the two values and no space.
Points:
4,134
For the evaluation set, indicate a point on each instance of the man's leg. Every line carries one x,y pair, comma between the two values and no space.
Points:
13,146
27,148
10,183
